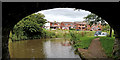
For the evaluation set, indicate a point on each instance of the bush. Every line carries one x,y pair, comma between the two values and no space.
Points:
72,29
30,27
14,37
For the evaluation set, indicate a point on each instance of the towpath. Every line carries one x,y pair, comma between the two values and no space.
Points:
95,50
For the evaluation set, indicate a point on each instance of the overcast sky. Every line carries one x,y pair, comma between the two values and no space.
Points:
64,14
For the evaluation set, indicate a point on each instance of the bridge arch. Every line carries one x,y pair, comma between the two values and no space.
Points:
12,14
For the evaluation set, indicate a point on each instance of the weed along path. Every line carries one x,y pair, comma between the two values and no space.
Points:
95,50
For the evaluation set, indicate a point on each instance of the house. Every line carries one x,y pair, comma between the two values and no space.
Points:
67,25
54,25
80,26
96,27
88,27
47,26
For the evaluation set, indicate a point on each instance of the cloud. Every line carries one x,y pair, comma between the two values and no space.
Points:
64,14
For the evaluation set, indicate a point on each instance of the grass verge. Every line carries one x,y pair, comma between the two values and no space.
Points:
83,42
107,44
82,39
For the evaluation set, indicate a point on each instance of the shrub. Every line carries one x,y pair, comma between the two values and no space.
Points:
72,29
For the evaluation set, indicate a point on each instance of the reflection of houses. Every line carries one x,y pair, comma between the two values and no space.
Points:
67,25
80,26
54,25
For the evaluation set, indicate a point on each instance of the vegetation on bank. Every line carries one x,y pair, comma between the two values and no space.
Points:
82,39
107,44
56,34
29,27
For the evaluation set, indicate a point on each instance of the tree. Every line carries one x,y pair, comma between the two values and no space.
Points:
30,26
106,28
94,19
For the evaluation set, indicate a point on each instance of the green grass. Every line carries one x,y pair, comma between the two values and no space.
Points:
82,39
107,44
83,42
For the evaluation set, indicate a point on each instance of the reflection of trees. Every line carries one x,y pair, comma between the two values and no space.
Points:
27,49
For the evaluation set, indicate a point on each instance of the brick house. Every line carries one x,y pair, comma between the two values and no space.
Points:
54,25
80,26
67,25
88,27
47,26
96,27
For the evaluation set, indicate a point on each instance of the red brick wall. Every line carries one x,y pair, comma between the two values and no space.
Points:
78,26
51,24
63,24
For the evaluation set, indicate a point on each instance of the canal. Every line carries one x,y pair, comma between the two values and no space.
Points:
42,48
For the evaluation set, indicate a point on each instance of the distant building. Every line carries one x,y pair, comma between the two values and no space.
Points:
54,25
67,25
47,25
88,27
80,26
96,27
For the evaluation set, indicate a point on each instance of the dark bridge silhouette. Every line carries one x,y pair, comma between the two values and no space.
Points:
14,12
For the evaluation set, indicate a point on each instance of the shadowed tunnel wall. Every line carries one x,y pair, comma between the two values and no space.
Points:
13,12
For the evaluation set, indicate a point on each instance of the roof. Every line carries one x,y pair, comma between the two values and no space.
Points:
68,22
54,22
80,22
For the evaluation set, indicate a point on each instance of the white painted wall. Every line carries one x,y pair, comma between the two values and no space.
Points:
47,26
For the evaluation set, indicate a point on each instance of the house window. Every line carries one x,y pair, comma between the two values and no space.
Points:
83,25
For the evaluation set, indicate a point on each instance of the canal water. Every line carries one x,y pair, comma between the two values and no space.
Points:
42,48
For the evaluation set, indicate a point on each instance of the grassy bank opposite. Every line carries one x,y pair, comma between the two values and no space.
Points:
43,34
107,44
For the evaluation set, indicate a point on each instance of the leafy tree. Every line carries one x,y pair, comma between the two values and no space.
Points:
106,28
94,19
29,26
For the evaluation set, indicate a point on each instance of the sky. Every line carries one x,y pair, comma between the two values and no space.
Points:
64,14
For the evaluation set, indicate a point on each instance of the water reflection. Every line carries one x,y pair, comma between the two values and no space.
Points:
42,48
